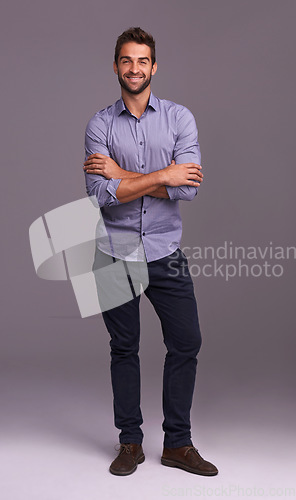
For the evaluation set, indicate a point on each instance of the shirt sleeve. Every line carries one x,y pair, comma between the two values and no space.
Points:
186,150
97,185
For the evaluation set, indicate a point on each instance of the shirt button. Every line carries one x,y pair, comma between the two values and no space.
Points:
143,234
142,166
139,121
141,143
144,211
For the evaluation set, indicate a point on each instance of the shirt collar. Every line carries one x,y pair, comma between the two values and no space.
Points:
152,103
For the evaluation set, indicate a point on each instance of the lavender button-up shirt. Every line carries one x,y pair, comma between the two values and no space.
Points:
164,132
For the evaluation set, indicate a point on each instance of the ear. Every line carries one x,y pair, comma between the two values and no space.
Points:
115,68
154,68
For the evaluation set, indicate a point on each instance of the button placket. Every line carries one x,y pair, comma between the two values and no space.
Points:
141,143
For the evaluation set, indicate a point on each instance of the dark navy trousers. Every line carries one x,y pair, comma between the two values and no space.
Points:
171,293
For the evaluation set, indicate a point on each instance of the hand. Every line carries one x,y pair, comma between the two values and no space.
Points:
188,174
103,165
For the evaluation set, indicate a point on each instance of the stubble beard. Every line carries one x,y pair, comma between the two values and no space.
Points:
144,85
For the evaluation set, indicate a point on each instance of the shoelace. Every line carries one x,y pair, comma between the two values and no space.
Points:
123,447
192,448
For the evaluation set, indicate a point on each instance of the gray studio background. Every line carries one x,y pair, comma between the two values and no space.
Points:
232,64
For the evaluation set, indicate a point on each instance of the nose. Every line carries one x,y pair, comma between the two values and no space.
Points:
134,67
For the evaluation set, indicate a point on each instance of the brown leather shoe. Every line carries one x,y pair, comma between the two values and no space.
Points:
188,458
130,455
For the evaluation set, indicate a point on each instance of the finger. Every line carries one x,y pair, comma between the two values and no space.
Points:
195,171
196,181
198,172
90,166
195,177
94,171
94,162
193,166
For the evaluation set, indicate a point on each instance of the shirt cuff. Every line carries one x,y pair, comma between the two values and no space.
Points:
112,187
171,192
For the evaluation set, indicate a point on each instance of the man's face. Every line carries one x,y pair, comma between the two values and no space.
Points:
134,68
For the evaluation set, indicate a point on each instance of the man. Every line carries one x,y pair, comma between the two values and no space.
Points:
142,157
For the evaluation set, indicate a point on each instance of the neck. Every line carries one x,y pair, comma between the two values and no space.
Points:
136,103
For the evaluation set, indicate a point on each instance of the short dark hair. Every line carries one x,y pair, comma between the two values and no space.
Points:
135,34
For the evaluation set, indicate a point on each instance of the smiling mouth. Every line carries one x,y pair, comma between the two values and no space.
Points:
134,78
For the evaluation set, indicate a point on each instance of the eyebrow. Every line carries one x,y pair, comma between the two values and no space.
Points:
128,57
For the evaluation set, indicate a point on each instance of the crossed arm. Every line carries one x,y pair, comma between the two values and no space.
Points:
133,185
111,184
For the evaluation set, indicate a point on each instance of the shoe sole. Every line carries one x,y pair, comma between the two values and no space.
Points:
118,473
173,463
